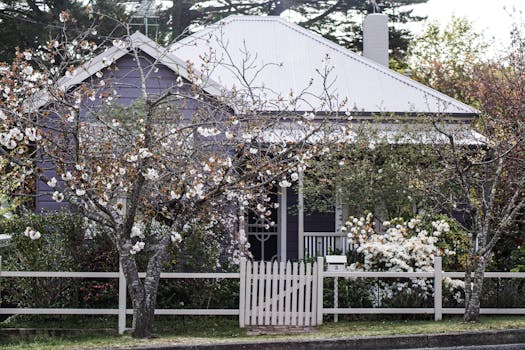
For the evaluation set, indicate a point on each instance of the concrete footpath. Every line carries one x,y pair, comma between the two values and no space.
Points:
515,336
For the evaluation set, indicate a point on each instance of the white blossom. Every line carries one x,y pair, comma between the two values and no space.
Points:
132,158
179,81
137,247
285,183
32,233
151,174
144,153
52,182
208,132
176,238
32,134
28,70
62,17
137,230
58,197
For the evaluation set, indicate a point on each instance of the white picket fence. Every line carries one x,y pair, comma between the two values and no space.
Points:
279,294
122,310
265,291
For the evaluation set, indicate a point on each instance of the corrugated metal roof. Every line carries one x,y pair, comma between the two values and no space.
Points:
283,57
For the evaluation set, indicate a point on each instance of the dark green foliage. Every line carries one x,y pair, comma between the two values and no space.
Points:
62,247
339,21
509,253
503,293
200,251
387,180
28,24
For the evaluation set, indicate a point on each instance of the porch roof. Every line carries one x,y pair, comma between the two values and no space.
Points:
390,133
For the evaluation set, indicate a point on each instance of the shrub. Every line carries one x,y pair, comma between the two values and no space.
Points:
59,246
199,251
402,246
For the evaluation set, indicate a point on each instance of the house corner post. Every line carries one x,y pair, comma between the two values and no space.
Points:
122,291
438,288
283,227
320,279
242,292
300,219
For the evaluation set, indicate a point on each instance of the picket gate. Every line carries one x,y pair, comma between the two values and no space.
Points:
280,294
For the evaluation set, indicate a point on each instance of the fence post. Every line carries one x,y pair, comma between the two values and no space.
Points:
438,288
122,291
320,277
336,298
0,281
242,292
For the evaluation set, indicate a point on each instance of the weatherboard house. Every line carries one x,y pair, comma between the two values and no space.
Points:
291,56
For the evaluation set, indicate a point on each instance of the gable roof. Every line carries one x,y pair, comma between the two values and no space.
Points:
99,62
291,57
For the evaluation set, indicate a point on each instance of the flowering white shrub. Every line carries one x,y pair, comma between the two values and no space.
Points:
401,246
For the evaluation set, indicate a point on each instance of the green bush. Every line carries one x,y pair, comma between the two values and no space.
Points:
61,247
200,251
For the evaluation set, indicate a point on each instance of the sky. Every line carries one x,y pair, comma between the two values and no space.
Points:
494,18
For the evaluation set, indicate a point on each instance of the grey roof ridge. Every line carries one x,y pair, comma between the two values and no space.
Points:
321,40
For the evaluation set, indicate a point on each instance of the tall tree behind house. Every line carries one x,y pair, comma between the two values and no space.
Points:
337,20
30,23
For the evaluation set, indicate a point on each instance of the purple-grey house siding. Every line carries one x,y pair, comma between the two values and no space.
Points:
124,76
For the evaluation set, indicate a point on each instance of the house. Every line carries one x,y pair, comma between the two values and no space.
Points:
291,58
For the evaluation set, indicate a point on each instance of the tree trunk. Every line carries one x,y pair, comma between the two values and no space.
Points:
473,286
143,294
143,317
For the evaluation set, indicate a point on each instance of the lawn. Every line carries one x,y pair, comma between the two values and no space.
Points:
205,330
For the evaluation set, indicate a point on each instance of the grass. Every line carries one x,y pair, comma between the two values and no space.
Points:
205,330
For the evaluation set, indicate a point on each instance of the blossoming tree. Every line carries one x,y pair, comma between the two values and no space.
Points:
142,159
